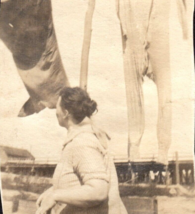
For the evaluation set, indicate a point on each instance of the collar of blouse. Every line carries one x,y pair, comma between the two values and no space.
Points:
87,126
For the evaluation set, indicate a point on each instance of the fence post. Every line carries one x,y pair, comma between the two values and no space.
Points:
167,175
177,168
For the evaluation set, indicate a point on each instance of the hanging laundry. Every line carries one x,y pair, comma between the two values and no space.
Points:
146,51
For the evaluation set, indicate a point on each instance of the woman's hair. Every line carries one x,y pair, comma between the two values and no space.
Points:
77,102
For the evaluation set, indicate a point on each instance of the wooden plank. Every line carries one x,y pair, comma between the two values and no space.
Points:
27,207
140,205
86,45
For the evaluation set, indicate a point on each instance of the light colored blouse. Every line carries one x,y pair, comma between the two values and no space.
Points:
84,157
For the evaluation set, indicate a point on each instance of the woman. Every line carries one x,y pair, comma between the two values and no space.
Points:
85,180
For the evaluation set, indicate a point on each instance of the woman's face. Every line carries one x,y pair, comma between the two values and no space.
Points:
61,114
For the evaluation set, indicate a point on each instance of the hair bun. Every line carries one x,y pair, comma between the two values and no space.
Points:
77,102
89,107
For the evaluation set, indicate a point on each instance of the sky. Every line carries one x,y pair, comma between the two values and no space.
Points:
41,134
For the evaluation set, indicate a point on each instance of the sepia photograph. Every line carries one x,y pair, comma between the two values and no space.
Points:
97,107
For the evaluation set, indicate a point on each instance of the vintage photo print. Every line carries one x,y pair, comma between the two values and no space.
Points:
97,107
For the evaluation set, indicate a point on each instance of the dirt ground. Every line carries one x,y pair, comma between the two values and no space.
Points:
176,205
166,205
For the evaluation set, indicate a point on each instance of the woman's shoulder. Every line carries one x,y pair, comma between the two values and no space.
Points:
85,139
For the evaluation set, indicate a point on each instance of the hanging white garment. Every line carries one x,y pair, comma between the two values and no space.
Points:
146,32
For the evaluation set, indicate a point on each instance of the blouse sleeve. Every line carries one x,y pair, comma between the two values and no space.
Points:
88,163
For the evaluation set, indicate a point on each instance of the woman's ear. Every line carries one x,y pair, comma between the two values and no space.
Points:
65,113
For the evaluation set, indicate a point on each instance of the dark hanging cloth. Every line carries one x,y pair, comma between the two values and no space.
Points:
26,28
